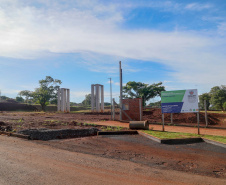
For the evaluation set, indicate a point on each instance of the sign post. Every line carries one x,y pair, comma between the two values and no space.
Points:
163,129
198,122
206,118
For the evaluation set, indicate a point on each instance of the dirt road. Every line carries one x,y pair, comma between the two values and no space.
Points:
27,162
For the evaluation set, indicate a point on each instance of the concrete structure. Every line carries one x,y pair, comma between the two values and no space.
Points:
133,108
97,94
63,101
139,125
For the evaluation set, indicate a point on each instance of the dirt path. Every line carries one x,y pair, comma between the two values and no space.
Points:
208,131
26,162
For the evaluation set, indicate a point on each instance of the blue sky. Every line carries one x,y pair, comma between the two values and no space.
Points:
179,42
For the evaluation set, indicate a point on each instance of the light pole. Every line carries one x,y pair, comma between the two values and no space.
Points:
111,96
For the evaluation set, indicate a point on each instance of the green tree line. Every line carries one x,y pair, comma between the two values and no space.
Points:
215,99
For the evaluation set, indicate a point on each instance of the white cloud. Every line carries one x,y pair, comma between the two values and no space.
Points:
9,92
29,31
198,6
222,29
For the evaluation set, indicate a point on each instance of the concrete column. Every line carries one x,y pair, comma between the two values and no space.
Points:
62,100
92,97
97,98
68,100
96,92
65,100
102,98
58,100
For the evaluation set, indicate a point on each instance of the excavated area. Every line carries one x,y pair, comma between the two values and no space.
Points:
200,158
17,121
49,134
189,119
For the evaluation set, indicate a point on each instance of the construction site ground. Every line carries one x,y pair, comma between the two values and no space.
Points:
127,159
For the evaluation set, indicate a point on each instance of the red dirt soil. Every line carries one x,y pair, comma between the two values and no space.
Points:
214,119
25,120
195,159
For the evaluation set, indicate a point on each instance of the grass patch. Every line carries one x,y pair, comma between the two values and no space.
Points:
20,120
218,112
79,124
92,124
181,135
170,135
51,121
111,128
118,128
221,139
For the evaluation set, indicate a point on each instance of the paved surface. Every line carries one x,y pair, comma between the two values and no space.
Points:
208,131
26,162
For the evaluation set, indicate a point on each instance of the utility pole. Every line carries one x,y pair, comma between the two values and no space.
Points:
120,101
111,96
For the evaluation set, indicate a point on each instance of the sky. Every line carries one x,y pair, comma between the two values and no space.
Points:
181,43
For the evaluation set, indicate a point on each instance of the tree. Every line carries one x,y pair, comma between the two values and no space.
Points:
87,100
218,96
46,92
224,105
25,93
155,104
19,99
141,90
4,98
202,98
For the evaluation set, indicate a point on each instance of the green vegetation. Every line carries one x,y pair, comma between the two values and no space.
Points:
141,90
118,128
202,98
21,120
170,135
180,135
92,124
154,105
19,99
51,121
221,139
87,101
218,112
80,109
111,128
215,99
47,92
218,96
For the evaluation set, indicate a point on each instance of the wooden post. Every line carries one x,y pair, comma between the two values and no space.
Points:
163,129
113,109
206,118
198,122
171,117
120,101
140,107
